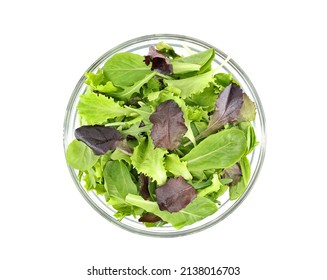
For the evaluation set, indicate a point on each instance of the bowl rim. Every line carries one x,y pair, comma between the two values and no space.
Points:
260,113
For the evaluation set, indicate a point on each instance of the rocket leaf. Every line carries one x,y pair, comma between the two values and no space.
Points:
175,195
168,125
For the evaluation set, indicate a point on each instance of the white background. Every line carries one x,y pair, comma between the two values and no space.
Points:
48,231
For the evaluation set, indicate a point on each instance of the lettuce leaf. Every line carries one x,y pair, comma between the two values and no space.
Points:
124,69
191,85
175,195
160,63
177,167
150,160
99,138
197,210
135,88
97,108
168,125
219,150
80,156
118,181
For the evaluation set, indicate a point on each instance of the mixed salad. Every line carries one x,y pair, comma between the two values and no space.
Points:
163,136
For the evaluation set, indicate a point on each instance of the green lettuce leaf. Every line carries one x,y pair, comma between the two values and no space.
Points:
203,59
214,187
223,79
118,181
197,210
80,156
183,67
150,160
219,150
191,85
135,88
97,108
236,191
177,167
98,83
125,69
168,50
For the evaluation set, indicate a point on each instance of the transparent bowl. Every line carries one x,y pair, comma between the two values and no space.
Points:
182,44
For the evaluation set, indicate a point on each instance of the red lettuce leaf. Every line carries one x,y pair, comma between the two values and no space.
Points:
149,218
234,172
144,186
168,125
175,195
228,107
160,62
99,138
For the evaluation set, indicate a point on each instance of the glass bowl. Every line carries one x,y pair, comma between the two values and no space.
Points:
182,45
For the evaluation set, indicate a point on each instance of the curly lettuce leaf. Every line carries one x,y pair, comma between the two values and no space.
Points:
150,160
97,108
98,83
177,167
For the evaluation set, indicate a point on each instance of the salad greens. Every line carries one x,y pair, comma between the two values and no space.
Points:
163,137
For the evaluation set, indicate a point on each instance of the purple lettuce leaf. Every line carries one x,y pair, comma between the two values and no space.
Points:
99,138
232,106
228,107
160,62
149,218
168,125
175,195
144,186
234,172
